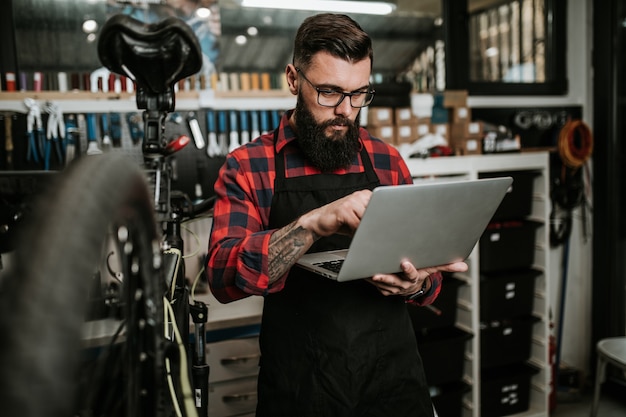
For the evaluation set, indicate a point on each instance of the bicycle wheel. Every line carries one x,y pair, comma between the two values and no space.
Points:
99,202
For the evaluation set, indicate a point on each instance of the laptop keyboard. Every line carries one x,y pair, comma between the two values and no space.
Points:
334,266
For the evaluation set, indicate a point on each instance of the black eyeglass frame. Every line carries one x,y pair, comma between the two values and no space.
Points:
367,102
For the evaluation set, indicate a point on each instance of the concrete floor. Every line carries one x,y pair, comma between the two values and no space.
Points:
611,405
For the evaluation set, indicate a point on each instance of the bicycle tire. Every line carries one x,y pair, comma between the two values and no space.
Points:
43,297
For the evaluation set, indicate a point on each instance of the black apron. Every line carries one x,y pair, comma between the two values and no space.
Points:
334,349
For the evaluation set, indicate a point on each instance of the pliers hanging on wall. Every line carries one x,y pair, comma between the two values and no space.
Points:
34,130
55,130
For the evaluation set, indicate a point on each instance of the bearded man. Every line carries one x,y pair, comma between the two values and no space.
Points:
327,348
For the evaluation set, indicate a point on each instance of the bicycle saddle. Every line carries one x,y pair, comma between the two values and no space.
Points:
155,56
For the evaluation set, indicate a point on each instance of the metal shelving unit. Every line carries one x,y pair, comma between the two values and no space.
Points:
468,304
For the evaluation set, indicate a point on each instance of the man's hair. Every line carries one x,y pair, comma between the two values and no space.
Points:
336,34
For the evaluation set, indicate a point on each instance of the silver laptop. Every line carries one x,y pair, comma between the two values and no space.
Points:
429,224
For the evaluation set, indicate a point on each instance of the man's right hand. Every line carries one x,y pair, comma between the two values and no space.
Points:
341,216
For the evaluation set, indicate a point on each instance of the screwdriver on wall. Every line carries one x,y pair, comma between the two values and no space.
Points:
92,146
234,132
213,148
196,132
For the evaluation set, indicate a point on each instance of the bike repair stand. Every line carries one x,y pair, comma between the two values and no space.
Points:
156,57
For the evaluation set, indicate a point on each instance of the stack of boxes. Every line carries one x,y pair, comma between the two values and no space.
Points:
396,125
381,124
452,117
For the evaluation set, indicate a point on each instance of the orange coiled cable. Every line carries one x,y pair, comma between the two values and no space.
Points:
575,143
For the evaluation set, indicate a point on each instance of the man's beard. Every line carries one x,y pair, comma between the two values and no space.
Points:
327,153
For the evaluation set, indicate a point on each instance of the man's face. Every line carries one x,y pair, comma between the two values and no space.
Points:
329,136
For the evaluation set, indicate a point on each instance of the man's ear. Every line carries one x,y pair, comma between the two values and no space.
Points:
292,78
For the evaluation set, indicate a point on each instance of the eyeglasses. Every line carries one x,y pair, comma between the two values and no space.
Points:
333,98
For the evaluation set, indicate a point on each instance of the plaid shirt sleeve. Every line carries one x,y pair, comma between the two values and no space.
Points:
238,247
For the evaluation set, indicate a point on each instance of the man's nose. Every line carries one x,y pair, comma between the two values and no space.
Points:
344,108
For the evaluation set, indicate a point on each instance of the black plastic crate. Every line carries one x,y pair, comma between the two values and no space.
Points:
507,245
442,312
507,294
517,202
443,354
448,399
506,390
507,341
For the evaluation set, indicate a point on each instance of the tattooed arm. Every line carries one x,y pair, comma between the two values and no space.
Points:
288,244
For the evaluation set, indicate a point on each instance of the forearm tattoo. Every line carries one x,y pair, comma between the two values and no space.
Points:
286,246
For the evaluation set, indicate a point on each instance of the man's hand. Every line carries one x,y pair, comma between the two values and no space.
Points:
411,280
341,216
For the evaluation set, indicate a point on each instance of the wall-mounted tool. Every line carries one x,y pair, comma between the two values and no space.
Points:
275,119
264,121
213,149
116,129
245,133
196,132
234,132
72,138
55,133
255,132
222,139
34,130
8,139
92,146
104,131
135,127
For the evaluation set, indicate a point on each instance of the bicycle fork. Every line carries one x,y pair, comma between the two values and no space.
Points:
199,314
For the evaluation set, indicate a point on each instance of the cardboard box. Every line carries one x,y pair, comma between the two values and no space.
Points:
468,146
422,129
460,114
404,116
455,98
476,129
385,133
458,132
380,116
405,134
440,129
